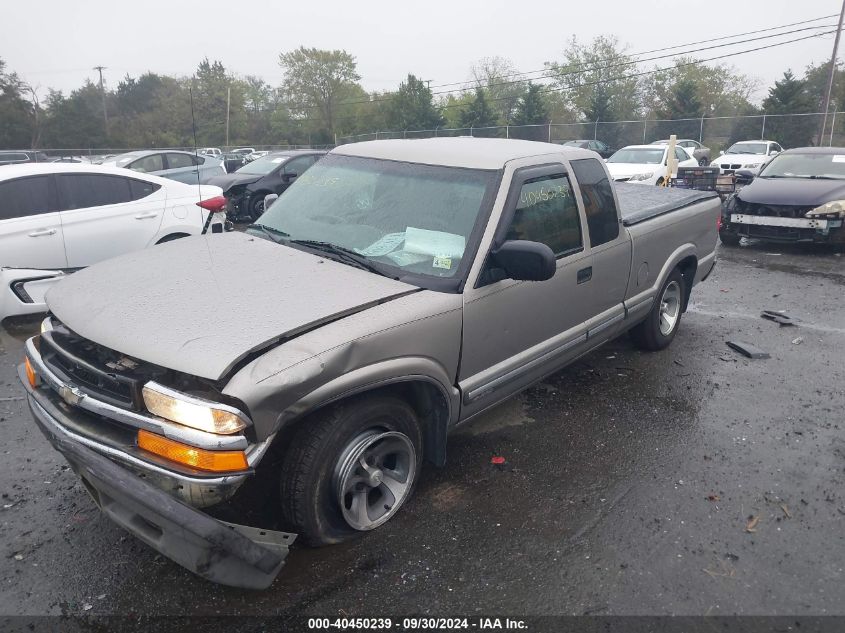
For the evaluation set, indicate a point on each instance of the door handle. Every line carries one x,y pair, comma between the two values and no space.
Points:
42,232
146,216
585,274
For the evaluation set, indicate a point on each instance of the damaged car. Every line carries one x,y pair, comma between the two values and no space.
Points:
798,197
246,188
397,289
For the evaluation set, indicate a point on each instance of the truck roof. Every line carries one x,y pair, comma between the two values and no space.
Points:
468,152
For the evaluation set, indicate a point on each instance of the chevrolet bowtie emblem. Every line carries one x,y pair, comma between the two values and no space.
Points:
71,395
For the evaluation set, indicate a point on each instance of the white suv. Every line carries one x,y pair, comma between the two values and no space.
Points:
59,217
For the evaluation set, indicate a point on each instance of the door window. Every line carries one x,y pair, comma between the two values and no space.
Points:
80,191
297,166
179,161
599,204
141,188
148,164
546,212
24,197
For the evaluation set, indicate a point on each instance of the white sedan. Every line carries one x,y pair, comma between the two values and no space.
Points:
59,217
646,164
751,155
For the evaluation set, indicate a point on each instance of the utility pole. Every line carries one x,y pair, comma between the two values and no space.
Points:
832,70
103,95
228,101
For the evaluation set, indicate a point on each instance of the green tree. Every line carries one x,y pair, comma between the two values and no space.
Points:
17,116
75,121
531,110
212,88
412,107
317,82
789,95
479,114
500,79
596,80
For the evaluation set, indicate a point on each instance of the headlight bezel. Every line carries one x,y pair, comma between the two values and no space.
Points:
193,411
641,177
831,209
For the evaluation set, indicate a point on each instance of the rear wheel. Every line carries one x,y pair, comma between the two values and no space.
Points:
171,237
702,162
660,182
659,328
349,468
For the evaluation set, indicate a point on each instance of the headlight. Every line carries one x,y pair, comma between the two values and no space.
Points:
197,413
642,176
751,166
835,208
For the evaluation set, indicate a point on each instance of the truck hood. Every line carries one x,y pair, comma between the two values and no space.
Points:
201,304
799,192
231,180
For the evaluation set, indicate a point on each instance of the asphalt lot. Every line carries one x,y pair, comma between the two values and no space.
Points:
629,485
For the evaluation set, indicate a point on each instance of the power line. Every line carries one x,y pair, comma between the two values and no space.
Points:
667,48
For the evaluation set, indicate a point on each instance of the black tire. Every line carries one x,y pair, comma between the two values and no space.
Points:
648,335
309,500
702,162
256,205
170,238
660,182
729,239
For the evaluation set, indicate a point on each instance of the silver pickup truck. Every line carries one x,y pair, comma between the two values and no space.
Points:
396,290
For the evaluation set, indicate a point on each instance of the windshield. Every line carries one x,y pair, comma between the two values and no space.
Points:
123,159
747,148
641,155
262,166
806,166
414,218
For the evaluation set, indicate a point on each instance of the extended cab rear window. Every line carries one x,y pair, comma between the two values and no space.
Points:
599,204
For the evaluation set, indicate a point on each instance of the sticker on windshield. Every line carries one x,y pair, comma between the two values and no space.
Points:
839,158
442,262
434,243
382,246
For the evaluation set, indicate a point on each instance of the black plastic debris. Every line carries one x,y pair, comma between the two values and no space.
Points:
778,317
747,349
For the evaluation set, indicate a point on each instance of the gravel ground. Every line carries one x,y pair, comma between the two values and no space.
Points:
691,481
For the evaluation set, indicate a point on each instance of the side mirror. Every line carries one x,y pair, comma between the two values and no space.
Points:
744,176
288,177
269,199
773,152
525,261
722,153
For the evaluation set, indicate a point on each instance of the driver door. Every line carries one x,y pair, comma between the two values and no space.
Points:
517,331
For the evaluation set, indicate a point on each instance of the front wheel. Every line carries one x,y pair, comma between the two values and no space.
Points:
660,326
256,205
729,239
349,468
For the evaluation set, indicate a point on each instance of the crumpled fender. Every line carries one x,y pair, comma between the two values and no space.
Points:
31,284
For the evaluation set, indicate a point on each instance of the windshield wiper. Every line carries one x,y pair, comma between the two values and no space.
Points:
269,231
343,254
825,178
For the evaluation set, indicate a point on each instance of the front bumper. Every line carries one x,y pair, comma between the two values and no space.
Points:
228,554
781,229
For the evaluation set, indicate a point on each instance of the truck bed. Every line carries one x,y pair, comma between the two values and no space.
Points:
641,202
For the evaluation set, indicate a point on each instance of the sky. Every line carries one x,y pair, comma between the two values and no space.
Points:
56,44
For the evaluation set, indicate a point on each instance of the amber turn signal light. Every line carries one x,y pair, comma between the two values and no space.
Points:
201,459
31,376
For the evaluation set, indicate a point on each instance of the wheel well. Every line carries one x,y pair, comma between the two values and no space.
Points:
427,400
171,237
688,267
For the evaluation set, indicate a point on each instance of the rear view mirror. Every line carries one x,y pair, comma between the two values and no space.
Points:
269,199
525,261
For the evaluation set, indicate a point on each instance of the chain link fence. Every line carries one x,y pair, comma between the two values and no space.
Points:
718,133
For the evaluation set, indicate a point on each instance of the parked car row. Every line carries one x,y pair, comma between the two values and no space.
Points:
59,217
186,167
